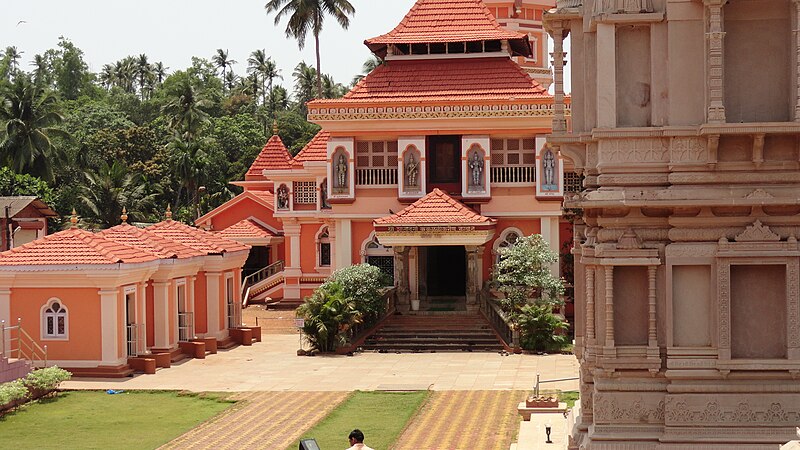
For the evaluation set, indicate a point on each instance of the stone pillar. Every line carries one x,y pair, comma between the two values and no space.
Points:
797,57
606,75
141,307
652,335
401,277
590,336
333,232
292,270
110,327
473,277
190,303
609,273
551,231
161,322
558,55
715,74
213,284
344,247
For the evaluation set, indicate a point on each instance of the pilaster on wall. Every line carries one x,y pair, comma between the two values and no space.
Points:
291,231
161,323
343,245
110,324
5,315
715,71
213,284
559,118
550,231
606,75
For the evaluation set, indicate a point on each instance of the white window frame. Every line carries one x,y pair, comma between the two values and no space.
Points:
305,192
319,240
45,316
503,239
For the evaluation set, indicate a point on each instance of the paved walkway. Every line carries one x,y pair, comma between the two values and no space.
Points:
485,420
272,365
268,420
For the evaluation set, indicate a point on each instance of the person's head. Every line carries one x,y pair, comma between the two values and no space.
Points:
356,437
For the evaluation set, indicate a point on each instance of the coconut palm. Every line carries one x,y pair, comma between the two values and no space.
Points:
12,55
306,16
107,76
41,70
256,66
332,89
189,162
279,98
304,78
29,119
110,188
270,72
143,73
125,74
369,65
185,110
230,80
222,61
160,72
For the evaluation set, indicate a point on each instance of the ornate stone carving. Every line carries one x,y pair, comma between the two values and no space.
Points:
724,289
691,251
729,410
623,6
688,150
757,232
715,36
793,303
759,194
655,150
629,241
607,409
644,234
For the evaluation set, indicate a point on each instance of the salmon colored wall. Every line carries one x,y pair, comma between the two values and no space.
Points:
280,254
200,305
173,311
151,317
527,226
306,293
361,231
243,210
83,320
308,246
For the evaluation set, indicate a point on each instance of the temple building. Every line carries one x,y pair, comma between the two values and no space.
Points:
687,270
427,167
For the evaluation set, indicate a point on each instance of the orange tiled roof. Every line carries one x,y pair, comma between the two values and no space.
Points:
265,196
467,79
149,241
74,247
208,243
431,21
246,229
273,156
435,208
315,150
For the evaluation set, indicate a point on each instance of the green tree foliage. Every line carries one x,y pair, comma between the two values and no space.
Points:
111,188
13,184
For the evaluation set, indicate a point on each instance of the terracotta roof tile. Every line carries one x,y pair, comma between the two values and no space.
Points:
203,241
265,196
149,241
246,229
315,150
431,21
435,208
74,247
445,80
273,156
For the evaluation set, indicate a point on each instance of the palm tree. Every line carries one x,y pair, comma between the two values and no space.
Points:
144,71
107,76
29,118
222,61
332,89
41,70
309,15
369,65
304,76
279,98
12,55
110,188
230,80
270,72
185,110
125,74
256,66
189,162
160,72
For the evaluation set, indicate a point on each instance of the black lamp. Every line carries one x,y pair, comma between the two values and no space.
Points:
547,430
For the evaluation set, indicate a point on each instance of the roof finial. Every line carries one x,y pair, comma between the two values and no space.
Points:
168,214
74,219
124,216
275,127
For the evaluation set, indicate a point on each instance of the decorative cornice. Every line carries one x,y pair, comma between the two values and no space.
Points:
432,112
757,232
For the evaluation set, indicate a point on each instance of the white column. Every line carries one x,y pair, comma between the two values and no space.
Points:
190,299
344,239
110,326
292,234
606,76
161,322
141,311
213,283
5,316
550,231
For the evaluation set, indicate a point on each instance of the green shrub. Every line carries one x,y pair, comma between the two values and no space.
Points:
541,330
12,391
328,315
46,379
364,283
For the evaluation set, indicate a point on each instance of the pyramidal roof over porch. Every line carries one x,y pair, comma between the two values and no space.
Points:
438,21
436,208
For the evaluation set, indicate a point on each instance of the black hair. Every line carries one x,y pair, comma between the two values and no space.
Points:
357,435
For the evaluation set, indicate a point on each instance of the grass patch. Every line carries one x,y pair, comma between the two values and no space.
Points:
96,420
569,397
382,416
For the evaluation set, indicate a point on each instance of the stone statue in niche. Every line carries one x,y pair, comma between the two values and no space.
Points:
476,167
283,197
412,171
549,166
341,172
323,193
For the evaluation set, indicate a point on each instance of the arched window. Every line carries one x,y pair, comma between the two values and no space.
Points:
375,254
324,248
507,239
54,320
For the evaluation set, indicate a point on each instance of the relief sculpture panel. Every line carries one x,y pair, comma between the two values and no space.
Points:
615,151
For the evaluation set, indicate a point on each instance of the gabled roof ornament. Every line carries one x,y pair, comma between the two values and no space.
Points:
124,216
168,214
74,219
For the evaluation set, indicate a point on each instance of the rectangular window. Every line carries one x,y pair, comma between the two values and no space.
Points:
444,157
325,254
513,160
305,193
376,163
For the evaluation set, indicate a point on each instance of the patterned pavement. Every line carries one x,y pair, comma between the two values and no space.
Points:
261,420
485,420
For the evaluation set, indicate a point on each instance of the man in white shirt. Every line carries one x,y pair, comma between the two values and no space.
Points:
357,440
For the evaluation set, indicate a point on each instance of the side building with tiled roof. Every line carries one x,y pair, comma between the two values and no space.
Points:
449,124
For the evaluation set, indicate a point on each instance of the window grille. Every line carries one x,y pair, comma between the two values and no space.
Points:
573,182
513,160
305,192
376,163
55,320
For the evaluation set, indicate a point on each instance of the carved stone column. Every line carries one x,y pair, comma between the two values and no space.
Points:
558,55
797,51
652,336
473,278
590,334
609,272
715,79
401,277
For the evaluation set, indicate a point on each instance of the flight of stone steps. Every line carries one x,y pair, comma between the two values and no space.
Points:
11,369
434,333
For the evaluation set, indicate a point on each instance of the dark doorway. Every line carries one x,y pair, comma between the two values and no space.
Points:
444,163
447,271
259,258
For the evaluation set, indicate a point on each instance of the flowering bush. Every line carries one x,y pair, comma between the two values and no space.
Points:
12,392
364,284
46,379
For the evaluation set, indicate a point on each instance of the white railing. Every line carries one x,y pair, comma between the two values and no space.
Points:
185,326
22,345
513,174
376,177
234,315
135,339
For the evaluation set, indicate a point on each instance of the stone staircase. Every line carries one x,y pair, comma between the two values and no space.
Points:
11,369
445,332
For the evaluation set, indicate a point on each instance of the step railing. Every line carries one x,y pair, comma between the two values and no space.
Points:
21,346
497,319
135,339
259,276
185,326
389,304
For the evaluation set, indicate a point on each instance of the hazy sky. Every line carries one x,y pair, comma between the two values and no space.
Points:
172,31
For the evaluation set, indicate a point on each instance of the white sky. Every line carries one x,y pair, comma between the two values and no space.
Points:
172,31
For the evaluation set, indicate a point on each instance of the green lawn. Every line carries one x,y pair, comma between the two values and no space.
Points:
569,397
382,416
96,420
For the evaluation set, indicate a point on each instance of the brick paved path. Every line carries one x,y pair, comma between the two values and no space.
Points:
468,420
261,420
